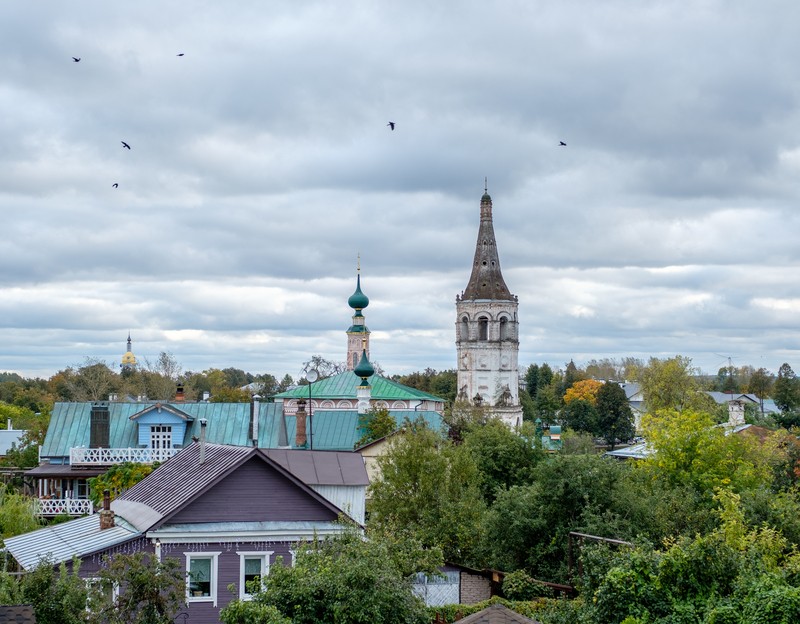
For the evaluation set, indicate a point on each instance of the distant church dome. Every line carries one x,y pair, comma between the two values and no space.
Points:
129,359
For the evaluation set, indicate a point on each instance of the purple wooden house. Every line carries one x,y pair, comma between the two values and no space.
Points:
224,512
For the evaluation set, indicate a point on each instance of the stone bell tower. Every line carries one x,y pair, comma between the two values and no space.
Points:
487,331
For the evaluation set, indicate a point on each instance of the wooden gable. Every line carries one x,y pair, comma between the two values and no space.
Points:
255,492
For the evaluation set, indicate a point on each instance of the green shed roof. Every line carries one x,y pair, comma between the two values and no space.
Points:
343,386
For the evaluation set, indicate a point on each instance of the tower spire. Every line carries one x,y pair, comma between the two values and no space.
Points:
486,280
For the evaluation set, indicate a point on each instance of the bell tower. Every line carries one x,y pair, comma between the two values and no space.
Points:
487,330
358,333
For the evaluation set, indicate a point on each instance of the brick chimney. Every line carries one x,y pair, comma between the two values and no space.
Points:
300,428
106,515
179,397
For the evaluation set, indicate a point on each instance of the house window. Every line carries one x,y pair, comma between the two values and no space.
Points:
161,437
201,577
253,566
100,593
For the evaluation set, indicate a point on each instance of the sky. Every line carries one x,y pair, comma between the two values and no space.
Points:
261,167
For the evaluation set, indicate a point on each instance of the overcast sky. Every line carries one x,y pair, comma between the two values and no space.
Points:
261,165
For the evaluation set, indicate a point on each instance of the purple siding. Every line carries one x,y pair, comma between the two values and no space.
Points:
254,492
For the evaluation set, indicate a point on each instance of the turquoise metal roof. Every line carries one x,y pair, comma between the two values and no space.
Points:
228,423
343,386
338,430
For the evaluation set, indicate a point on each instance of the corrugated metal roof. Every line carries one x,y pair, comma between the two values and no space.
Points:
322,467
343,386
228,423
61,542
180,479
338,430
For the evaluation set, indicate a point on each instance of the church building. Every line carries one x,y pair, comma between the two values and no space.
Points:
487,331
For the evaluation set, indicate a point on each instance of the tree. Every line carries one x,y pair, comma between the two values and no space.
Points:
428,489
670,384
504,458
94,381
547,402
324,367
286,383
528,525
344,580
532,379
377,423
690,450
18,514
116,479
614,415
786,391
585,390
58,595
571,375
760,384
150,591
580,415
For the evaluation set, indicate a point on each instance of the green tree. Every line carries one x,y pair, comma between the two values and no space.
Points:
504,458
671,384
532,379
548,403
527,527
150,591
614,415
545,376
343,580
690,450
580,415
18,514
116,479
760,384
786,390
377,423
429,489
58,594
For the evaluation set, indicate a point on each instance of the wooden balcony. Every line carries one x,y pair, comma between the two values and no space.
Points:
111,456
68,506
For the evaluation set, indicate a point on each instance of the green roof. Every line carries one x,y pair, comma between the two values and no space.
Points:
343,386
338,430
227,423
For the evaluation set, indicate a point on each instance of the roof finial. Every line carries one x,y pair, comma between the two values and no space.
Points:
486,184
358,265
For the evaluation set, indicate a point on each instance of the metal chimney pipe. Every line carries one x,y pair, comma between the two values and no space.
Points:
203,423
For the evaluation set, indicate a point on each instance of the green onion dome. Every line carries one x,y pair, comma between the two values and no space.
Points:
358,300
364,368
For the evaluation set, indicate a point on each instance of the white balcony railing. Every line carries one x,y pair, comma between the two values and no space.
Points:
69,506
110,456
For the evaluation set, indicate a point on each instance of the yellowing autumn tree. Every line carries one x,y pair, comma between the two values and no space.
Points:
585,390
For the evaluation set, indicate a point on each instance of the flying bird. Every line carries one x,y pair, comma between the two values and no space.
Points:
562,144
181,54
125,145
391,125
115,185
76,59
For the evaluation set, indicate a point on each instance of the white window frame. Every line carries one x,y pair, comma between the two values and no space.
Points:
91,581
214,556
264,556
